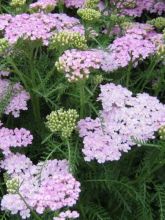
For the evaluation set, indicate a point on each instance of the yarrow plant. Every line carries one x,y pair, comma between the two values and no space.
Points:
82,109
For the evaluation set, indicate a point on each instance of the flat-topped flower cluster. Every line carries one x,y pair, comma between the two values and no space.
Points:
123,119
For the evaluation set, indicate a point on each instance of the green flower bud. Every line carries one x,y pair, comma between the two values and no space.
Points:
98,79
63,122
161,132
68,39
17,3
159,22
91,3
12,186
126,25
3,45
89,14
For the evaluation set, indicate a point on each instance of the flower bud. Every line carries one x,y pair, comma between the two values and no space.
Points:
12,186
89,14
68,39
161,132
63,122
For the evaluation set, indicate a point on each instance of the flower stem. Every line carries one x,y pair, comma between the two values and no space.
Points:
82,98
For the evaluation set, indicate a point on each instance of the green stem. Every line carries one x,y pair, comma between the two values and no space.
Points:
82,98
36,109
128,74
69,154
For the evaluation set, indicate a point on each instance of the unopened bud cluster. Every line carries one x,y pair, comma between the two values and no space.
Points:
161,132
159,23
68,39
91,3
89,14
3,45
17,3
12,186
98,79
62,121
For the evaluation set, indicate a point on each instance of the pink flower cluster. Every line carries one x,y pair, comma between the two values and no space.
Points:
137,44
14,138
37,26
18,97
74,4
67,215
45,186
77,64
139,6
4,73
123,119
43,5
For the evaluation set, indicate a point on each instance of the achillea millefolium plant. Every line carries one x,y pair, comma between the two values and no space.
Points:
82,109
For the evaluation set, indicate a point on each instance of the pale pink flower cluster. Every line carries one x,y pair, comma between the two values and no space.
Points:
123,119
136,45
37,26
67,215
14,138
4,73
45,186
78,64
140,6
18,97
74,4
43,5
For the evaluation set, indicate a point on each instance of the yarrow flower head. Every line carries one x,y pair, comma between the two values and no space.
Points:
137,7
67,39
78,64
124,117
13,96
14,138
139,42
37,26
67,215
17,3
74,4
43,5
161,132
89,14
45,186
62,121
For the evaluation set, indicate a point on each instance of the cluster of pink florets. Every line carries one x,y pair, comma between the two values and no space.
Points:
123,119
74,4
78,64
138,43
45,186
43,5
18,97
10,138
37,26
137,7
